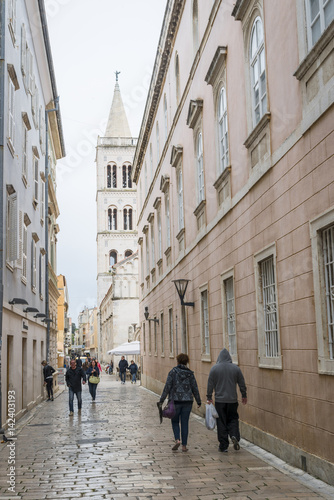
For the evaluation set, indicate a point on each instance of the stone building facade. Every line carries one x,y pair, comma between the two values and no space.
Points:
27,90
234,168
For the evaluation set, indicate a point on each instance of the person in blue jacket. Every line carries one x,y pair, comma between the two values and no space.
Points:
95,372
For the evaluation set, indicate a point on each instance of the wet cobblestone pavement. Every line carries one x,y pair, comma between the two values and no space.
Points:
117,449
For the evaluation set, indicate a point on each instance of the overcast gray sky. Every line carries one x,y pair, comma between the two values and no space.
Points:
90,40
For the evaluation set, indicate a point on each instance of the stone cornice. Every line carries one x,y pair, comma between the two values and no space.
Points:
170,26
177,152
217,62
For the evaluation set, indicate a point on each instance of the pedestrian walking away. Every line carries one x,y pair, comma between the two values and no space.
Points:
133,369
223,379
123,365
99,367
93,371
181,386
48,379
74,376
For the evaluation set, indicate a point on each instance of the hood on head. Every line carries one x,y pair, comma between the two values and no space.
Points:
224,357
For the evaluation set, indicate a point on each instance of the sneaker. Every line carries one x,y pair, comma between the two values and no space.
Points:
235,442
52,399
222,450
176,445
71,414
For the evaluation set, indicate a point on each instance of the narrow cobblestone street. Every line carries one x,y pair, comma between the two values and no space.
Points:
117,449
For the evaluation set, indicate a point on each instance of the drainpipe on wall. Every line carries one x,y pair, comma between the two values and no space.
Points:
47,308
2,225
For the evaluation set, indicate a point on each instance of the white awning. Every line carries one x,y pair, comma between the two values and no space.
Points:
126,348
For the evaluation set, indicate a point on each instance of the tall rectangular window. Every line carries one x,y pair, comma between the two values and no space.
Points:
147,255
180,198
328,251
24,153
144,339
267,309
230,315
205,334
42,214
152,245
155,338
11,114
33,265
36,180
162,334
12,229
320,13
167,214
149,338
159,233
24,254
171,332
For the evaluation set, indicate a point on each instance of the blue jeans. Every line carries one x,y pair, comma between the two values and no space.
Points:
134,377
71,398
92,390
123,376
182,414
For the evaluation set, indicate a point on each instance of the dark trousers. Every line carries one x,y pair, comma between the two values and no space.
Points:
182,415
49,387
92,390
227,423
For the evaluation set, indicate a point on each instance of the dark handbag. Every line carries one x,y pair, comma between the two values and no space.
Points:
169,410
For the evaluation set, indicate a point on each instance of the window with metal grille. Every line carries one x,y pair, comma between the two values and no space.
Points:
155,338
144,339
205,323
268,285
328,252
114,176
149,337
230,315
171,331
162,334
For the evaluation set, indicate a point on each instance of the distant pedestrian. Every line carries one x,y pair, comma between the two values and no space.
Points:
48,379
93,371
133,369
111,367
74,375
79,362
123,365
85,366
224,377
181,386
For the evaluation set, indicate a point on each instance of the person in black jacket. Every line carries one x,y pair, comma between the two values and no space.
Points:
48,379
181,386
122,365
133,368
74,375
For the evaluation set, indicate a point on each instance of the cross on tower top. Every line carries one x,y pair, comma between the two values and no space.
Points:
117,73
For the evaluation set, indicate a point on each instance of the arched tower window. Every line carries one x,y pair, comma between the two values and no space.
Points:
177,79
127,219
112,219
195,26
127,183
114,176
109,176
128,253
112,258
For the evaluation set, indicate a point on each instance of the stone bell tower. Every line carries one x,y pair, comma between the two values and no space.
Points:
115,195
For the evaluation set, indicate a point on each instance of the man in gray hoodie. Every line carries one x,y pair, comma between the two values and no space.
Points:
223,379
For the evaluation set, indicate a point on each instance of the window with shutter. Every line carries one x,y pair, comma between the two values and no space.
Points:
24,254
12,229
11,115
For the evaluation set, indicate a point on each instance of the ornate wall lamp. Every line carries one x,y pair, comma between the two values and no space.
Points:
181,287
146,314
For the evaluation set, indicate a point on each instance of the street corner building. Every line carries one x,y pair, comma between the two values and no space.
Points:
31,143
234,173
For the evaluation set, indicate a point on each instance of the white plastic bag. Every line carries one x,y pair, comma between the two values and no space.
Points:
210,416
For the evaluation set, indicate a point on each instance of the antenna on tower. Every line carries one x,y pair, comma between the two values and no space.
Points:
117,73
